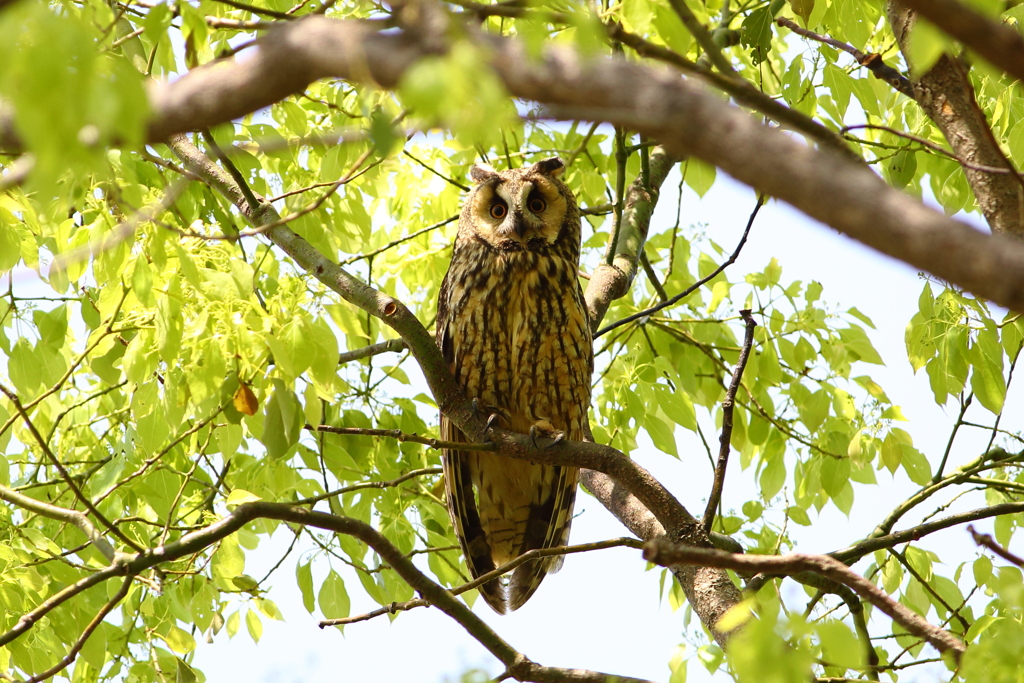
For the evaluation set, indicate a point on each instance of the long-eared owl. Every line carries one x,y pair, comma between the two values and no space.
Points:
513,327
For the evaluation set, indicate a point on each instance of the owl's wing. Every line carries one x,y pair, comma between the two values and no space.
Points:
547,527
458,478
462,506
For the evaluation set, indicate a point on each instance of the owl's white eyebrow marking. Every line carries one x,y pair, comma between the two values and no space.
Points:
502,192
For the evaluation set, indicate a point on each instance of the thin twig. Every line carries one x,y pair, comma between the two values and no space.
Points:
534,554
692,288
68,479
400,240
987,541
392,345
403,437
79,643
930,145
368,484
726,438
871,61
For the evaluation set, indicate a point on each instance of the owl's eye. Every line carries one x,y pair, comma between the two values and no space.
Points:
537,205
498,210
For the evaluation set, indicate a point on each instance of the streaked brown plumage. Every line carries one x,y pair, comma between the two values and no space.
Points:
512,324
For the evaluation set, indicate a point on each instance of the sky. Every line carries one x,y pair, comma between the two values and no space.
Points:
602,611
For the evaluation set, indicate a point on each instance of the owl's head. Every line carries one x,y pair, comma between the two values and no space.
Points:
522,208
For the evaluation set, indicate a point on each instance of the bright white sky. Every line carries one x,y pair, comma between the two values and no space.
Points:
602,611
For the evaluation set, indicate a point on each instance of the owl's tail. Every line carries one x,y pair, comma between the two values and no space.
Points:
502,508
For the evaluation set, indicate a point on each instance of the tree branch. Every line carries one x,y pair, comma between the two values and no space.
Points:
946,95
529,555
872,61
79,643
612,280
399,435
73,517
708,520
666,553
999,44
986,541
684,118
852,553
695,286
518,665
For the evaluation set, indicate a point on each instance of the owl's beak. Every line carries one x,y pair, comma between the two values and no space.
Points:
518,224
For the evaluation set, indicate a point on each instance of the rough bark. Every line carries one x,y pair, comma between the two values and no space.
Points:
999,44
946,95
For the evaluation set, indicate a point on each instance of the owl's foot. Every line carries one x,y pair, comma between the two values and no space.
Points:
489,425
488,413
543,428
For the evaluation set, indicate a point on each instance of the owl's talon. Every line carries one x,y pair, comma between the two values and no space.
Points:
478,407
558,439
489,425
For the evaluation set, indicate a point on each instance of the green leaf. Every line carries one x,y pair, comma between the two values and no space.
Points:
986,357
699,176
661,434
773,476
926,45
333,598
677,664
916,466
839,645
228,559
239,496
677,406
254,625
304,577
179,641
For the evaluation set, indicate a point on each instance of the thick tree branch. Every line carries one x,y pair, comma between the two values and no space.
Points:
665,553
682,117
999,44
946,95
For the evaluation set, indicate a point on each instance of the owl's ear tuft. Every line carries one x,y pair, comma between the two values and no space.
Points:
481,173
552,167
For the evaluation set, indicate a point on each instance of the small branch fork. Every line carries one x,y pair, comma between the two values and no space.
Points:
665,553
726,437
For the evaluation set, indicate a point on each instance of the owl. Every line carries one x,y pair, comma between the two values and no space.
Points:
513,327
